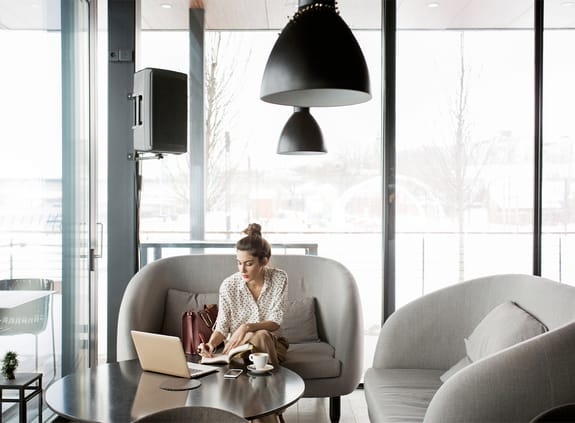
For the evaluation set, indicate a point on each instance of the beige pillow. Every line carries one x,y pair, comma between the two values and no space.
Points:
464,362
299,323
504,326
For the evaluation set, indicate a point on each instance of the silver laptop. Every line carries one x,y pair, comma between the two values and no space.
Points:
165,354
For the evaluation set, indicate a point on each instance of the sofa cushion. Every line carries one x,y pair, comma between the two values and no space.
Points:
177,302
399,395
314,360
299,323
504,326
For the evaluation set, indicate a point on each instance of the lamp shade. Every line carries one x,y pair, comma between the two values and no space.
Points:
301,134
316,61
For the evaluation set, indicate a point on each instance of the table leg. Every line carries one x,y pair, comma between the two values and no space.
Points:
22,406
40,400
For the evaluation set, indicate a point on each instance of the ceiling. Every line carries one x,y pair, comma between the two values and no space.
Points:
274,14
361,14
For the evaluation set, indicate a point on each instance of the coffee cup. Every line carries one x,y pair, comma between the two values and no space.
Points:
260,360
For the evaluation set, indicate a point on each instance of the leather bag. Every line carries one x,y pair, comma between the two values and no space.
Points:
197,327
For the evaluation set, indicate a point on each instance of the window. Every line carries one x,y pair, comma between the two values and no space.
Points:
464,147
558,239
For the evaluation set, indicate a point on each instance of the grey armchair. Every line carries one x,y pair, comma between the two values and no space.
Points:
330,367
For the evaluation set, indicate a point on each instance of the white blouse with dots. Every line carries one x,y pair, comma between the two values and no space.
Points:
237,304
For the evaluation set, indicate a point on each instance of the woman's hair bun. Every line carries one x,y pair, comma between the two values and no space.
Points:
253,229
254,242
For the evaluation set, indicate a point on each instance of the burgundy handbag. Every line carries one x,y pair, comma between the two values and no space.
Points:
197,327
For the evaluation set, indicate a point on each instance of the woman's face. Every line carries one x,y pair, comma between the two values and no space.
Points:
249,266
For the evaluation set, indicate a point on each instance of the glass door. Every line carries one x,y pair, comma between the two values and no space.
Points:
45,177
75,185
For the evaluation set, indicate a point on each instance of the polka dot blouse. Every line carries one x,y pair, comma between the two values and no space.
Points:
237,304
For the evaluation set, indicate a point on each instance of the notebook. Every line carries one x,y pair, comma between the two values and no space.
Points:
165,354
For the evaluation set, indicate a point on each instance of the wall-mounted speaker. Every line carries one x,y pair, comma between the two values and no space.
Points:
160,118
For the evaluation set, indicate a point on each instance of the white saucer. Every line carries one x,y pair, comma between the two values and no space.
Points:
266,369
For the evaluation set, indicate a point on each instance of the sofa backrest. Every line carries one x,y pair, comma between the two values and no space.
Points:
549,301
143,303
452,313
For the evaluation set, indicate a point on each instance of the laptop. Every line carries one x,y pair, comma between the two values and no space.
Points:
165,354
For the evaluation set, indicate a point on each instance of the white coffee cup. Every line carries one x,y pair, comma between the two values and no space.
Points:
260,360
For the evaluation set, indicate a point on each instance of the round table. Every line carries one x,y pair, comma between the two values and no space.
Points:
122,392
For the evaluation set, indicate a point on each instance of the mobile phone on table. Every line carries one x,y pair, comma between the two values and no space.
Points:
232,373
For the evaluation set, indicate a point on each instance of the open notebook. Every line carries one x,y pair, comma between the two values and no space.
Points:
165,354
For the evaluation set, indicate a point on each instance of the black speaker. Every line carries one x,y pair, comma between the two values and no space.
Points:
160,107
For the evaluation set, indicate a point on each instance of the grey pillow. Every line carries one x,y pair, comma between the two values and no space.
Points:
464,362
177,302
299,323
504,326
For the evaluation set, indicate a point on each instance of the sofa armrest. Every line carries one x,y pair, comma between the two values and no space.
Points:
339,312
513,385
142,308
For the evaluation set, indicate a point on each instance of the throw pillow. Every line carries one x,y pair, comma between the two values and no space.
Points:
504,326
299,323
464,362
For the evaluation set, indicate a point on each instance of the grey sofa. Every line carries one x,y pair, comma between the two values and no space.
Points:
330,365
423,339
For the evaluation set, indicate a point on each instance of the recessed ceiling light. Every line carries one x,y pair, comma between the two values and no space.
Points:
433,4
567,3
166,5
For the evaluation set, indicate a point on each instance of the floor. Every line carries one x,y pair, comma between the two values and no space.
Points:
314,410
306,410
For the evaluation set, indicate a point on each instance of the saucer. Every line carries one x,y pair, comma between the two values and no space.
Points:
266,369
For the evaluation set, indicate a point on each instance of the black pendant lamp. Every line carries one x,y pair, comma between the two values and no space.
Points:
316,61
301,134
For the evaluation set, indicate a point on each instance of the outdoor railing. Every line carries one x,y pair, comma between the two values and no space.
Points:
157,248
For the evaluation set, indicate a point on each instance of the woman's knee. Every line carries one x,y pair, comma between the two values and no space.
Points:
262,335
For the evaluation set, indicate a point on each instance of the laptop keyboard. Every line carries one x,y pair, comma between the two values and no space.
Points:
197,370
194,371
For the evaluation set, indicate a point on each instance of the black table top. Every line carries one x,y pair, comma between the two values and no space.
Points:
122,392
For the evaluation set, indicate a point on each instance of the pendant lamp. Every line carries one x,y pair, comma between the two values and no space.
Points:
301,134
316,61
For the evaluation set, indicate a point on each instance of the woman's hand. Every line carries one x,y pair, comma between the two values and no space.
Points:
206,349
237,338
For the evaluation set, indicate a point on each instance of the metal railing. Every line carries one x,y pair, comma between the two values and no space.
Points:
199,247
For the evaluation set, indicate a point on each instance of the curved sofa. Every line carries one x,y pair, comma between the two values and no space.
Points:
329,365
423,339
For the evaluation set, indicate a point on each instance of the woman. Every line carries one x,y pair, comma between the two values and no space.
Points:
252,301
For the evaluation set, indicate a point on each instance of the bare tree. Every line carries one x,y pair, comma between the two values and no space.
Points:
220,74
219,115
455,168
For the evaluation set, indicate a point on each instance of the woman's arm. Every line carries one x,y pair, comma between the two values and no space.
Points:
238,336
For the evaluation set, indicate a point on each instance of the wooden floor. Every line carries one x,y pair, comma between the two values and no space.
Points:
314,410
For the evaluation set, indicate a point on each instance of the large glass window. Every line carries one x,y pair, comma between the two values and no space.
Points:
464,147
30,174
558,240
